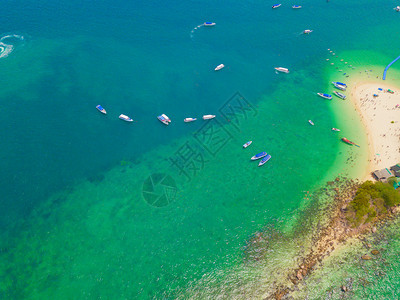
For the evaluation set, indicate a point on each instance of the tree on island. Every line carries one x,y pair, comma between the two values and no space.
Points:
372,200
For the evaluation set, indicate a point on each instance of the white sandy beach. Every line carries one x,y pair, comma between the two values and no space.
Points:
381,118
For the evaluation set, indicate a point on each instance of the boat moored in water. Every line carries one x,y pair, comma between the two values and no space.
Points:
311,122
349,142
339,86
164,119
326,96
259,155
397,8
276,5
125,118
189,119
101,109
208,117
209,24
296,6
335,129
219,67
280,69
340,95
307,31
247,144
340,83
264,160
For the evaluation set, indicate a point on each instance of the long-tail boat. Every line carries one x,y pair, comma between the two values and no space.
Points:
349,142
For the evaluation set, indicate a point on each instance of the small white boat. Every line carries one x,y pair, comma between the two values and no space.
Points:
339,83
164,119
247,144
125,118
340,95
219,67
335,129
259,155
189,119
208,117
307,31
280,69
209,24
296,6
264,160
397,8
326,96
276,5
338,86
311,122
101,109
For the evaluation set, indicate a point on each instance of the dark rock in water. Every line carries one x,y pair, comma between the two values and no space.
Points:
375,252
344,288
337,179
366,257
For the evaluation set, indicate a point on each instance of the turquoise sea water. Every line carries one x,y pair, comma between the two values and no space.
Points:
92,207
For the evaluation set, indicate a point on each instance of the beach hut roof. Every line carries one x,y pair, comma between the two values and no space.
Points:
395,167
383,174
396,170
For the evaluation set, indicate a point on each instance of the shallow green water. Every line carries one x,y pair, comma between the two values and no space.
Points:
96,208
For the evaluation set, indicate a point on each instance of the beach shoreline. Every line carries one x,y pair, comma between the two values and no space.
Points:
381,119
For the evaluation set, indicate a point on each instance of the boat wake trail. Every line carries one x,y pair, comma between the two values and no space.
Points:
194,29
8,42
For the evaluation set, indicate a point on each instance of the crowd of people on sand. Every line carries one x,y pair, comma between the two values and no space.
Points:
376,105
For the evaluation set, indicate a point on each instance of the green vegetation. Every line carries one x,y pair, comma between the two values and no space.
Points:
372,200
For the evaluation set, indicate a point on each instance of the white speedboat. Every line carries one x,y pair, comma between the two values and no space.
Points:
340,95
311,122
189,119
209,24
397,8
259,155
280,69
125,118
164,119
296,6
247,144
219,67
101,109
339,83
339,86
307,31
276,5
335,129
264,160
208,117
326,96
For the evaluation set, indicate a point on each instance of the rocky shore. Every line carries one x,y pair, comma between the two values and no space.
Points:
331,236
